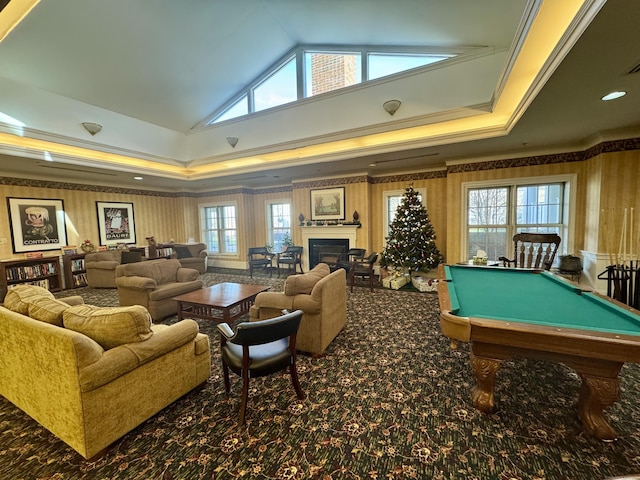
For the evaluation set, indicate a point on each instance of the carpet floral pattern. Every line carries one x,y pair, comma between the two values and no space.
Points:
389,400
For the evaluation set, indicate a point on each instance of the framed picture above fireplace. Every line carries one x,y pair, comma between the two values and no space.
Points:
327,204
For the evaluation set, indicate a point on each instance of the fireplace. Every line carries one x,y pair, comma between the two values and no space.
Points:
326,250
346,234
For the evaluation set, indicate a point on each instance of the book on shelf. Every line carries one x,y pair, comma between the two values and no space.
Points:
44,283
69,250
33,255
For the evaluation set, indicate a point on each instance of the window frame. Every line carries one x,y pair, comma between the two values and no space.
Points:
299,52
567,232
204,231
268,208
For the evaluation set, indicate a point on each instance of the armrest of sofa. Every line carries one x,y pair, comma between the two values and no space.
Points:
73,300
138,283
124,358
187,274
203,254
274,300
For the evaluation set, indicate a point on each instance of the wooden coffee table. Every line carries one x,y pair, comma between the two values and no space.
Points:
224,302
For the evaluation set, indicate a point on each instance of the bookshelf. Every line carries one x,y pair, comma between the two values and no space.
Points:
161,250
75,274
44,272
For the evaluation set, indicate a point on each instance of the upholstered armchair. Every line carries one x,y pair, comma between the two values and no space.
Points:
154,283
101,266
321,295
191,255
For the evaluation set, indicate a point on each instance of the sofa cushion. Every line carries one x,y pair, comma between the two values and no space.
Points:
19,297
110,326
49,310
183,252
303,284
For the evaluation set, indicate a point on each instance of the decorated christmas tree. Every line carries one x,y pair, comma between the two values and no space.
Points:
411,243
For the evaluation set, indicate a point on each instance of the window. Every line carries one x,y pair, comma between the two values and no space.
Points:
383,64
392,199
219,228
494,214
304,72
278,89
278,223
328,71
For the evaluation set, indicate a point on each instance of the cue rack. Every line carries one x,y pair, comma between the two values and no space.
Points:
623,272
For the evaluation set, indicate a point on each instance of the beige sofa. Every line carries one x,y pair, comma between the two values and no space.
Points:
191,255
154,283
100,374
101,266
321,295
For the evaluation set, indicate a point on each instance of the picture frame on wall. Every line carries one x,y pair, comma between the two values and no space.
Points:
37,224
327,204
116,223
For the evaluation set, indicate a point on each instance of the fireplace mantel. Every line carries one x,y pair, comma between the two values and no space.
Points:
348,232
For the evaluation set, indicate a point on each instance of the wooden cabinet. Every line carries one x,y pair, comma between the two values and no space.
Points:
44,272
75,274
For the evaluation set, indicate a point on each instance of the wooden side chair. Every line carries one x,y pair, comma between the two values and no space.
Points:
350,256
258,257
533,250
290,259
260,348
363,269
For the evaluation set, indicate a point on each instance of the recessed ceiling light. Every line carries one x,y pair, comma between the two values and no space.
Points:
613,95
138,178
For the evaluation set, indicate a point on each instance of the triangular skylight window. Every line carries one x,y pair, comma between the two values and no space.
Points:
323,70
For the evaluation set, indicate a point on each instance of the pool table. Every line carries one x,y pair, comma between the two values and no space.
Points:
505,313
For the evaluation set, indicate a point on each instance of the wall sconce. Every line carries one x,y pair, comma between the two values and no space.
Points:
233,141
91,127
391,106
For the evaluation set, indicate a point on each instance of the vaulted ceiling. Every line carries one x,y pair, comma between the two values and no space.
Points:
150,72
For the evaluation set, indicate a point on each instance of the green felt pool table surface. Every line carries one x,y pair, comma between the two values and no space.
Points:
528,296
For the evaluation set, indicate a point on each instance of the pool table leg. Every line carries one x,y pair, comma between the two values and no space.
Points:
596,394
485,370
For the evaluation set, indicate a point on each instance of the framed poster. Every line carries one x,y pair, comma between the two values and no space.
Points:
327,204
116,223
36,224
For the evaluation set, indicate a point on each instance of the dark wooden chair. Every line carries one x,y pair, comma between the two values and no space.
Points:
290,259
363,269
533,250
260,348
259,257
350,256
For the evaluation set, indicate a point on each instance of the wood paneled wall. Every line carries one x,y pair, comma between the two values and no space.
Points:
607,183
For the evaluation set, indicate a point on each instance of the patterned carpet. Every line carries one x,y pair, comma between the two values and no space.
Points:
390,400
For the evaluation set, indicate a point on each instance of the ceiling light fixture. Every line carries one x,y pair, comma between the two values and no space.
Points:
391,106
233,141
613,95
91,127
138,178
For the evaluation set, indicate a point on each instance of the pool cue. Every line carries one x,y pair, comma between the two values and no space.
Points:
606,239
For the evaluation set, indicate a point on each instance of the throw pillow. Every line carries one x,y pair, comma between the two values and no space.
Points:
110,326
303,284
49,310
183,252
19,297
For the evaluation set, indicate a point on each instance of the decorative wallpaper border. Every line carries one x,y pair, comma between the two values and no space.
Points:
578,156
